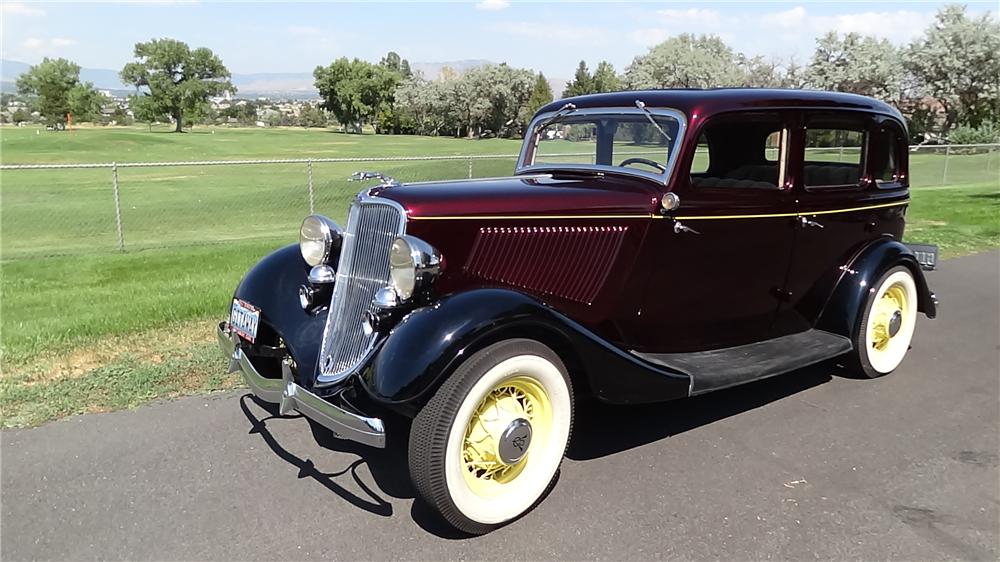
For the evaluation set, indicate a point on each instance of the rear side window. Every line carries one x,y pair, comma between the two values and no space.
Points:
834,154
885,156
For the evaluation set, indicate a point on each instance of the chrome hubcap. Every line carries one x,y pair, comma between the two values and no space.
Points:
514,441
895,322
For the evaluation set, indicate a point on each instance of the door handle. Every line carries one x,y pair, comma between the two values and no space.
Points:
804,222
679,228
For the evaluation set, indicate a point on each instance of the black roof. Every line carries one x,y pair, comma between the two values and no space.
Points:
710,101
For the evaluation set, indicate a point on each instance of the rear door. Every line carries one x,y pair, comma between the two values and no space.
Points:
848,184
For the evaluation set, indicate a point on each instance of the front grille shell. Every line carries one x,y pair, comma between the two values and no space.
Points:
363,269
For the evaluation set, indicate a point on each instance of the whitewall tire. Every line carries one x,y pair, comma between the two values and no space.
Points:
489,443
887,323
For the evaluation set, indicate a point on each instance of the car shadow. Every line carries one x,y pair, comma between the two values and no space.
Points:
599,430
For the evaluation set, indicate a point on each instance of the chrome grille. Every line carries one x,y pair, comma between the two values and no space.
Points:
363,269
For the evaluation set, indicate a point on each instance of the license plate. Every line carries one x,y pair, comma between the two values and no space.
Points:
244,319
926,254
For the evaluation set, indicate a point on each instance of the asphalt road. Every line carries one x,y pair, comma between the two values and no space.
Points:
806,465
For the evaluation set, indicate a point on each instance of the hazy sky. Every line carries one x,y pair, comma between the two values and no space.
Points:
551,37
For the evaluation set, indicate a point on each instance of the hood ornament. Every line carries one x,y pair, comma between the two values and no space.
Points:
385,181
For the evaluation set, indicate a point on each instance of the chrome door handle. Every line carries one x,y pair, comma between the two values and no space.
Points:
679,228
804,222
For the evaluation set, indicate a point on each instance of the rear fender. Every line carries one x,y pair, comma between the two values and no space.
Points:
842,310
430,343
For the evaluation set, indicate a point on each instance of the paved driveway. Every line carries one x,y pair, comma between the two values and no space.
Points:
806,465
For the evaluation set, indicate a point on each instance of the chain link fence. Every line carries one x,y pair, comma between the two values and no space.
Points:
60,209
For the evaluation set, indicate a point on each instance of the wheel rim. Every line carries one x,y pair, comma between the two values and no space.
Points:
515,415
887,314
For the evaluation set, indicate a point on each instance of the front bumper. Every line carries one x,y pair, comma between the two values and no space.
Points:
343,423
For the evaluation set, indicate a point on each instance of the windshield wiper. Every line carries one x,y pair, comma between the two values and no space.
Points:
562,112
649,115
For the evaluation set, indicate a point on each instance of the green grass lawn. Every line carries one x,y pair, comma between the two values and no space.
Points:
93,329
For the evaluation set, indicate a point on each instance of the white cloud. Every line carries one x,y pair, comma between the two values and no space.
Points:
21,9
691,16
493,5
554,32
44,47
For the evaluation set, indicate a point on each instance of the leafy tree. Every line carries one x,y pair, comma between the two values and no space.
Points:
582,83
605,79
176,79
312,116
861,65
85,102
685,61
759,72
541,94
147,110
56,83
957,62
20,116
356,91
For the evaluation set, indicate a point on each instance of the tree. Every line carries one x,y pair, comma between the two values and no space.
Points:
582,83
856,64
605,79
356,91
957,62
177,79
759,72
312,116
685,61
56,83
541,94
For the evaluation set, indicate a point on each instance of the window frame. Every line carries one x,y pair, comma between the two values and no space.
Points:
902,155
785,119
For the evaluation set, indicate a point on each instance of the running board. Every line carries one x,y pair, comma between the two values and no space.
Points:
723,368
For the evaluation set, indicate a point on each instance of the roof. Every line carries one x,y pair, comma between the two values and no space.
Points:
710,101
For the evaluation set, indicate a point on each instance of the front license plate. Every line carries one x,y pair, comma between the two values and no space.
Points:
926,254
244,319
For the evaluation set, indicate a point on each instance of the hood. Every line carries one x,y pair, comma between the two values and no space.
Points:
526,195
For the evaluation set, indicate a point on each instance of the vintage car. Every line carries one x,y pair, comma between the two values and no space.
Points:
651,245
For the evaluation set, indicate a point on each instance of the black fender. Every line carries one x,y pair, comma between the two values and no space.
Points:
272,285
842,310
429,343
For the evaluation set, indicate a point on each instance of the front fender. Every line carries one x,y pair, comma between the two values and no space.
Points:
272,285
430,343
842,310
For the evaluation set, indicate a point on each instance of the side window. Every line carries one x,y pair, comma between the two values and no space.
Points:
741,151
834,154
885,156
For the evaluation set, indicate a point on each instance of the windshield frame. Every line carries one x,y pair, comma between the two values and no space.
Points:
532,138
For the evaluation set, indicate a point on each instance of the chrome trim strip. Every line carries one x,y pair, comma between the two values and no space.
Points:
345,425
531,141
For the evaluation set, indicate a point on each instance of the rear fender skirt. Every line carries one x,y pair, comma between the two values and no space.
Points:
840,315
430,343
273,286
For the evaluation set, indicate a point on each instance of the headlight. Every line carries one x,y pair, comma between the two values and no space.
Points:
413,265
319,238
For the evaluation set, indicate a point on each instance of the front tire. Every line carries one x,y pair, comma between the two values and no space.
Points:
886,326
488,444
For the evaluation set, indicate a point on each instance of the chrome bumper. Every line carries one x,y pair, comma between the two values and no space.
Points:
290,396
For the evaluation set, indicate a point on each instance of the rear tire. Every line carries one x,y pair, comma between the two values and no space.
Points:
488,445
885,328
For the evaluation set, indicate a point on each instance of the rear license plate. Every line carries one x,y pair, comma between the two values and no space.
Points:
926,254
244,319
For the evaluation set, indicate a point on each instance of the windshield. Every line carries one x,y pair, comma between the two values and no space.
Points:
636,141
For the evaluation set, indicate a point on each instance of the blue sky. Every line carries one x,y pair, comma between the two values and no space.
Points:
550,37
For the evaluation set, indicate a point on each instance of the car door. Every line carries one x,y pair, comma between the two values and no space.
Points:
849,184
719,261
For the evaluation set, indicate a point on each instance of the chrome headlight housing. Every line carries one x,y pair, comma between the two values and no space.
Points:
319,239
413,266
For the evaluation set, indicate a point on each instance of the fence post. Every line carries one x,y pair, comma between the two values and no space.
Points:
947,155
118,207
312,198
470,168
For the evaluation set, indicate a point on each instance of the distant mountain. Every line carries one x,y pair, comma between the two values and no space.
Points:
260,84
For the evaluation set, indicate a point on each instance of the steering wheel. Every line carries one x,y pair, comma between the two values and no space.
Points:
645,161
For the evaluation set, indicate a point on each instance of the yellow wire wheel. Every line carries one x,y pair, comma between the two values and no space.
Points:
487,446
889,323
